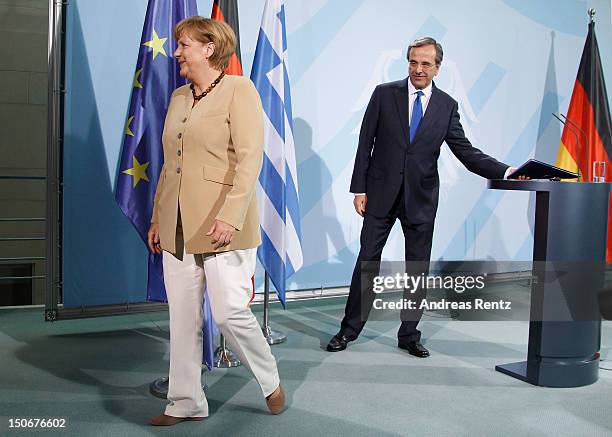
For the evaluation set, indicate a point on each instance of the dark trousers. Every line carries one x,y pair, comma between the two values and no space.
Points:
374,234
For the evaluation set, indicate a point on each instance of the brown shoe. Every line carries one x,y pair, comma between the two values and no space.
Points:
165,420
276,401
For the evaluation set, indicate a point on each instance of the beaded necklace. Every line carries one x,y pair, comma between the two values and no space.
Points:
197,98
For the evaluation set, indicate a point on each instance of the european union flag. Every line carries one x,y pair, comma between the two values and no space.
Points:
156,77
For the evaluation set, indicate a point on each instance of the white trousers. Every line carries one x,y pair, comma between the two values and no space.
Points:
228,278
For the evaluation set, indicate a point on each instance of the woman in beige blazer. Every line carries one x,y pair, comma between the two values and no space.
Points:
205,218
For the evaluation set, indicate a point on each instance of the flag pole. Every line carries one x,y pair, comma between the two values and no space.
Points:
281,250
272,336
227,11
591,13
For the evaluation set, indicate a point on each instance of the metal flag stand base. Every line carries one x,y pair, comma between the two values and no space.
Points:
225,358
272,336
159,387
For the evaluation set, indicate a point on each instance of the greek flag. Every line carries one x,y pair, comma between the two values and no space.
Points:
277,189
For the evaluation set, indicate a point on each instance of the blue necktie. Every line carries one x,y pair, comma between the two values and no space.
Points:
417,115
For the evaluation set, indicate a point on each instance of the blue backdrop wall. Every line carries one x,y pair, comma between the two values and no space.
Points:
510,64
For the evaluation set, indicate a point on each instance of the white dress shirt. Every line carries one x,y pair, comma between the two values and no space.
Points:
412,95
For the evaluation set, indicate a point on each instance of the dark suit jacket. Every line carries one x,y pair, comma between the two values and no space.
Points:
386,159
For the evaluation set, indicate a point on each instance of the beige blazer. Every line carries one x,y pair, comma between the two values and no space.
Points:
212,158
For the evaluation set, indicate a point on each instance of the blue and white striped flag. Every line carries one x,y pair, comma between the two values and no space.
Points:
277,190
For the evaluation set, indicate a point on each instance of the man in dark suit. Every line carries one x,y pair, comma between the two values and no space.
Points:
396,177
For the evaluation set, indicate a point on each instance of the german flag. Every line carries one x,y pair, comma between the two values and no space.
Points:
587,135
227,10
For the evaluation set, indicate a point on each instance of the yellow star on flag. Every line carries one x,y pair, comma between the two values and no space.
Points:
137,84
157,44
128,131
138,171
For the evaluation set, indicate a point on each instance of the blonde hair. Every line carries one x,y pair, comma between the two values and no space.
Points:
207,30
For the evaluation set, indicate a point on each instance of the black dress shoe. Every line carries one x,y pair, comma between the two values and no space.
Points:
415,348
338,343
